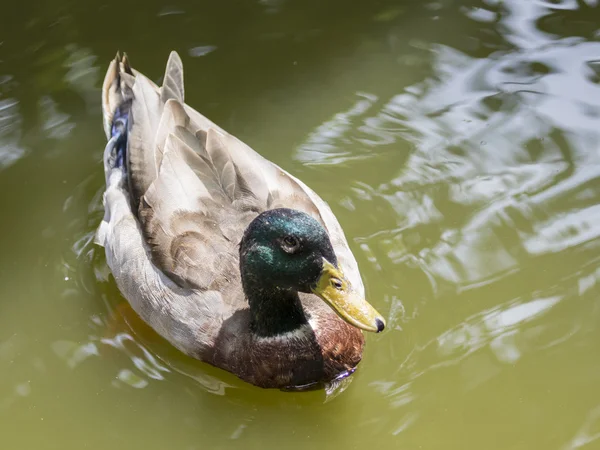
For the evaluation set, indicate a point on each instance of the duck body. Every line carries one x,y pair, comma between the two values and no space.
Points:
226,255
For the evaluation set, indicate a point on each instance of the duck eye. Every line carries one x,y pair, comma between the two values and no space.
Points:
290,244
336,283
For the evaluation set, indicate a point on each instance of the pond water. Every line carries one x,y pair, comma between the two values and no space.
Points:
456,141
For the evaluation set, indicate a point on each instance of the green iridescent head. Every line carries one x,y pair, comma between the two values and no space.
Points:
285,250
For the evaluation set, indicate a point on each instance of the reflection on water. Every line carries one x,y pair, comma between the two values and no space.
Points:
456,141
10,123
504,159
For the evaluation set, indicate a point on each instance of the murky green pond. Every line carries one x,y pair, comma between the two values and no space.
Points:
458,142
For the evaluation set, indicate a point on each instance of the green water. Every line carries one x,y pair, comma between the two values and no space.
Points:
456,141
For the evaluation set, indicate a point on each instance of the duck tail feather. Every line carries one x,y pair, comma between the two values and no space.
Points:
117,95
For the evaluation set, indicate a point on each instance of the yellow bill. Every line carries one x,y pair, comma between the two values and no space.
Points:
336,291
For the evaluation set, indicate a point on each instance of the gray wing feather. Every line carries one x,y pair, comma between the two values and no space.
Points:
173,87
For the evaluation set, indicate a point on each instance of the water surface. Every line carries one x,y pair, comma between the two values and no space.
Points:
456,141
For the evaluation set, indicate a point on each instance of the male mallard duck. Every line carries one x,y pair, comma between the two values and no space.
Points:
226,255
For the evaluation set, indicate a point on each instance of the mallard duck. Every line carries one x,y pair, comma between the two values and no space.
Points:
224,254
